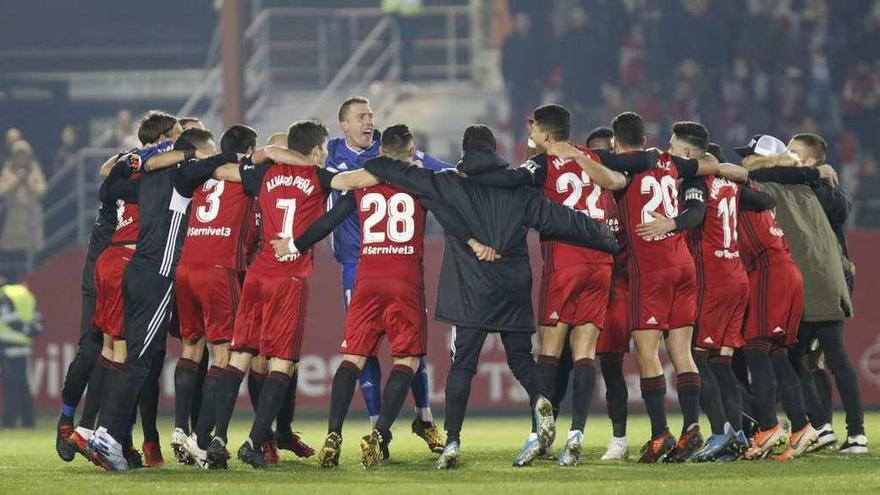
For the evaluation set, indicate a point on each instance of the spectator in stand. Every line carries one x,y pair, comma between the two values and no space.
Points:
868,194
69,147
523,72
122,134
584,65
22,185
861,100
13,135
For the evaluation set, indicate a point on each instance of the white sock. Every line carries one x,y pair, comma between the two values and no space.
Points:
533,436
373,420
424,414
572,433
619,439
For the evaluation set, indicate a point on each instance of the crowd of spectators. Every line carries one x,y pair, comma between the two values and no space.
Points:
742,67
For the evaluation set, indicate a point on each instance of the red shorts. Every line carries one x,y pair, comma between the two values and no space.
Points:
270,321
720,315
391,307
615,337
663,299
576,295
776,303
207,298
109,269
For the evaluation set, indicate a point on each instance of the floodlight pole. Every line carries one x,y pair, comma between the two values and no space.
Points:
231,41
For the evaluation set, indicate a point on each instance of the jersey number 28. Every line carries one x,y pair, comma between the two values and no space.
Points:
400,209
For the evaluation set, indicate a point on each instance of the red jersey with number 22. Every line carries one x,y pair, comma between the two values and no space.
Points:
392,234
569,185
654,190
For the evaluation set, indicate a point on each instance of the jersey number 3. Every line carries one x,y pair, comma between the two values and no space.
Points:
400,209
208,212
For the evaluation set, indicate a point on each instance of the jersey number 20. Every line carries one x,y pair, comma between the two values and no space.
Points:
399,208
662,192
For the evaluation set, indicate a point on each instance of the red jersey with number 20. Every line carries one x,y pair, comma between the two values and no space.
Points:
392,234
218,226
654,190
291,199
715,244
569,185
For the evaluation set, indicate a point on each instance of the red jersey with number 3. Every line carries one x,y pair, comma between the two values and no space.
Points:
127,223
761,239
291,199
218,228
714,245
392,234
654,190
569,185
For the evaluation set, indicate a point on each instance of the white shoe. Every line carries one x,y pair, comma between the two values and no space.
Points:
178,441
855,444
826,438
85,433
109,450
198,456
618,450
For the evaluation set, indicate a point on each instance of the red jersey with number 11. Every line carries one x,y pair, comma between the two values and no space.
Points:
654,190
715,244
220,224
392,234
569,185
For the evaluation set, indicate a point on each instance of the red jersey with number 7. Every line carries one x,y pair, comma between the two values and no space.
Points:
715,244
392,234
219,226
568,184
654,190
291,198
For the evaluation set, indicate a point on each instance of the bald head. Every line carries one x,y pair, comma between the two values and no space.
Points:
278,139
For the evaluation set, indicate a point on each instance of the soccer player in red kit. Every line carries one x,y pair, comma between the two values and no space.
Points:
576,281
271,313
722,295
207,285
389,298
662,283
776,303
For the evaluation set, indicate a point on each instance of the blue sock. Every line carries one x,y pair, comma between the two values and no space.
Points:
67,412
370,380
420,391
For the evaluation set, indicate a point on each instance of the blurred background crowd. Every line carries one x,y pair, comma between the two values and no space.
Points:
740,66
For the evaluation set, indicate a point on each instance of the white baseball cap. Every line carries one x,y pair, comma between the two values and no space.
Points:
763,145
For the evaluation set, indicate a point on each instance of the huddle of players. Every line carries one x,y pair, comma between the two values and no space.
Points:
651,289
710,277
263,316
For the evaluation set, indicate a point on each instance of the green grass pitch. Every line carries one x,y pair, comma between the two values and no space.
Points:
28,464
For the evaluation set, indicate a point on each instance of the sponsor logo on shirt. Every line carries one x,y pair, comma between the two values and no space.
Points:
209,231
373,250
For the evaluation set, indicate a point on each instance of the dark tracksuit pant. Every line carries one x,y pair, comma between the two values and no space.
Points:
830,335
467,345
17,400
91,341
148,298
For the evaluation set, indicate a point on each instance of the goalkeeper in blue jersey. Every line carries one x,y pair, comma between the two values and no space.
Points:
360,142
